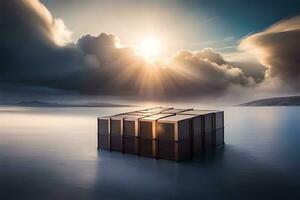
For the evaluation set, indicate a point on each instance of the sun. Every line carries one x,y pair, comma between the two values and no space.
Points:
150,48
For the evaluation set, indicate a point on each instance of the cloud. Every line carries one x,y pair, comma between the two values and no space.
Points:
120,71
37,52
278,48
206,71
251,69
30,44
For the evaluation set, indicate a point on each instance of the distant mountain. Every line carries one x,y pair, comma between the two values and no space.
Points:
277,101
53,104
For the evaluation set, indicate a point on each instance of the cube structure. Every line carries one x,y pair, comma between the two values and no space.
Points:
124,132
174,137
206,124
116,133
162,133
131,134
103,133
218,127
212,127
148,135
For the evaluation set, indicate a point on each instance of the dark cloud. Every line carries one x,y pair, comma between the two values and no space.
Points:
278,48
120,71
31,43
251,69
209,71
35,52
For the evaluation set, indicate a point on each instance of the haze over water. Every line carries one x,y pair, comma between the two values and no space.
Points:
50,153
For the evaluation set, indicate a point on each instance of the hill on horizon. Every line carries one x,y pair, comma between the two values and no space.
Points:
55,104
276,101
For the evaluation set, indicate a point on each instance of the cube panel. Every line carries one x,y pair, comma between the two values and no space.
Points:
103,141
130,144
116,143
148,148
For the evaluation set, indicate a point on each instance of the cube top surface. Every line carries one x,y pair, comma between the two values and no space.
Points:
175,118
155,117
105,117
132,117
196,112
139,113
175,111
126,116
148,108
155,110
118,117
214,111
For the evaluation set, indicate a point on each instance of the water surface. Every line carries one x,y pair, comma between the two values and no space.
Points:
50,153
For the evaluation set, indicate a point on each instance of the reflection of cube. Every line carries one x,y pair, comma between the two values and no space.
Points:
103,134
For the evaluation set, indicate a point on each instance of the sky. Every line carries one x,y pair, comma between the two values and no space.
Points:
141,49
193,24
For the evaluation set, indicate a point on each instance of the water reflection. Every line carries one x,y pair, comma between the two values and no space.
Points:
51,154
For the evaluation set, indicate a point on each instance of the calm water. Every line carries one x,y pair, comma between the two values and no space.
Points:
48,153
